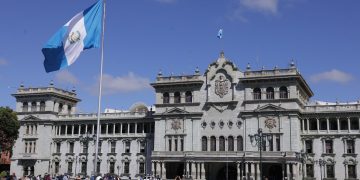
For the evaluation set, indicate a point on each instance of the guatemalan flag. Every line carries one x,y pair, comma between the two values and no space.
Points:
220,34
82,32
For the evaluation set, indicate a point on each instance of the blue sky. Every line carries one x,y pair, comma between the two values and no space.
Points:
176,36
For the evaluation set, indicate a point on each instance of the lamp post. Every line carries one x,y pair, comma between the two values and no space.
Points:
321,163
302,156
85,140
257,140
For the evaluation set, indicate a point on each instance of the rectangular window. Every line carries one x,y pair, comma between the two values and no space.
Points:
176,144
76,129
70,164
132,127
278,146
110,129
126,168
69,130
99,147
124,128
127,147
142,147
139,128
181,144
83,167
270,141
141,168
85,148
113,146
34,147
354,123
26,147
30,147
71,147
330,171
98,167
309,170
56,167
170,144
58,147
323,124
103,128
350,149
329,146
308,146
112,167
27,129
352,171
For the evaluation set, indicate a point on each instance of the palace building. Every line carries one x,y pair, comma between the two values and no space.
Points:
226,123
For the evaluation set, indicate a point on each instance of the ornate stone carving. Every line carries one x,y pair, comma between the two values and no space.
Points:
176,124
221,86
270,123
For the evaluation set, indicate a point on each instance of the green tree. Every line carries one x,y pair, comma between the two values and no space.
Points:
9,128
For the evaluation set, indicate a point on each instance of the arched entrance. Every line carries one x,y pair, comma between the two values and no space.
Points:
229,169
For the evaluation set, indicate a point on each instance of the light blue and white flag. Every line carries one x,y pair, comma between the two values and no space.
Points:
220,33
82,32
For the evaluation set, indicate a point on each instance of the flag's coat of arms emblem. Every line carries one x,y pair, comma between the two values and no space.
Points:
221,86
74,37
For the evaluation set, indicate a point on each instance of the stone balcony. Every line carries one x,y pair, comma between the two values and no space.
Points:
333,107
45,90
91,116
271,73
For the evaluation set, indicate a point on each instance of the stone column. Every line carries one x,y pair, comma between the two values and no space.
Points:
327,125
153,168
187,168
121,128
307,125
136,128
163,170
295,171
202,170
349,129
318,124
246,170
158,169
258,176
304,170
208,143
338,124
107,129
252,170
238,175
303,125
72,130
288,174
346,172
193,170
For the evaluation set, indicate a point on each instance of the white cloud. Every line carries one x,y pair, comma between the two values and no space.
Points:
333,75
121,84
264,6
166,1
3,62
65,77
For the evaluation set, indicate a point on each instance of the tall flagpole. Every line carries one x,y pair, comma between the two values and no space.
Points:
100,88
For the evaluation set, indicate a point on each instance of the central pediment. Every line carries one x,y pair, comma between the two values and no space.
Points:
175,110
270,107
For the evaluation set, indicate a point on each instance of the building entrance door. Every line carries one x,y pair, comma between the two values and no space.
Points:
174,169
272,171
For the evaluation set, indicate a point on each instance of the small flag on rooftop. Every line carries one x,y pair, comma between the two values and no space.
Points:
220,33
82,32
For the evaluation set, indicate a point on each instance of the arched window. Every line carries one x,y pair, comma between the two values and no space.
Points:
177,98
166,98
212,143
283,92
270,93
239,143
60,107
42,106
25,107
230,143
69,109
33,106
221,143
188,97
257,93
204,143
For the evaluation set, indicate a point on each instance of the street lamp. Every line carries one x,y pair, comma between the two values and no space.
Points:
302,156
85,140
321,163
257,140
